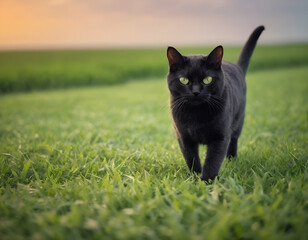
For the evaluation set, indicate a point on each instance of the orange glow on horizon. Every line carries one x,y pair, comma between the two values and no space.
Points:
70,23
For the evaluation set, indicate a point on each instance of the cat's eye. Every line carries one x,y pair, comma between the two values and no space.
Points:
184,80
207,80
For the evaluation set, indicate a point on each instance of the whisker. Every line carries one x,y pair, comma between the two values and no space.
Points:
177,103
216,103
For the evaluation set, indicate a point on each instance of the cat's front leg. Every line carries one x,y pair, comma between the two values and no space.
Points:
215,155
191,154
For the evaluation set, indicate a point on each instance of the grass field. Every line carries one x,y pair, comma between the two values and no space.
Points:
103,163
34,70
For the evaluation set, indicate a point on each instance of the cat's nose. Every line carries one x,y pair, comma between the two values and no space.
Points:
195,89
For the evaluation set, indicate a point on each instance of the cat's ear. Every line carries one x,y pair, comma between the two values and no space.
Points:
174,57
215,57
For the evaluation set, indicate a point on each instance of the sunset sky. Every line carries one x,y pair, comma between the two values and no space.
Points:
31,24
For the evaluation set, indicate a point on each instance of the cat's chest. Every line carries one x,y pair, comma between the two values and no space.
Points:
205,132
201,128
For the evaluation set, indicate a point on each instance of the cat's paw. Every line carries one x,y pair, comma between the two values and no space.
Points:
209,180
231,157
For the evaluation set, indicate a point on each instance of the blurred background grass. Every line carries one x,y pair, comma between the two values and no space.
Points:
39,70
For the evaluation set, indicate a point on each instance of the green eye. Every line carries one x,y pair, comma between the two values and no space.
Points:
184,80
207,80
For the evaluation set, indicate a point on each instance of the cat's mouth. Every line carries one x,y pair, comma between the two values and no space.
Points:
196,100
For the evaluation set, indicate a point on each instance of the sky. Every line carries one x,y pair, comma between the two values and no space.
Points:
40,24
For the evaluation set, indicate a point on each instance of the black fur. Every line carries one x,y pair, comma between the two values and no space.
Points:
210,114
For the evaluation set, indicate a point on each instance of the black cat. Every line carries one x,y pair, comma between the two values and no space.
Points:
207,98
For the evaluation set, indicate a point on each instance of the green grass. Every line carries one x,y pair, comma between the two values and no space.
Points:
33,70
103,163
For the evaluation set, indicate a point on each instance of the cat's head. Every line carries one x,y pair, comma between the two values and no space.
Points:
195,78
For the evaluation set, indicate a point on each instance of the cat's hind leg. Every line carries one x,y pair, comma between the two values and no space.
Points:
232,149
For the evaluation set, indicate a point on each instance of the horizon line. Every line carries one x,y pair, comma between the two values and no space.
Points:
63,47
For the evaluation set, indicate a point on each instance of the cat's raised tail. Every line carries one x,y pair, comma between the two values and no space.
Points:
243,60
